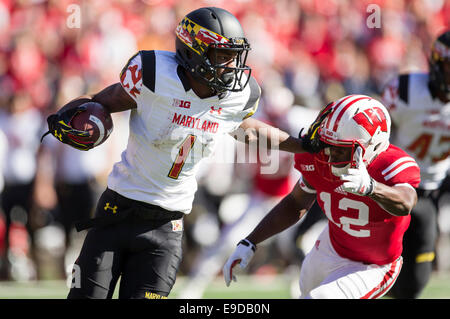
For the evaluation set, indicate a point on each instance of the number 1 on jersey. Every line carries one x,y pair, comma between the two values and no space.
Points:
183,153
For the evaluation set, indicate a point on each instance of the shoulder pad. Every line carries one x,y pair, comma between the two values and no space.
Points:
255,93
403,87
148,69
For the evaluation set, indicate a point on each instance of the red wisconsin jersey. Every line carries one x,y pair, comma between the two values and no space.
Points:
360,229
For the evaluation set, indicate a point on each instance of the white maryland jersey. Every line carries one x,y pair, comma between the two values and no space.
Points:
171,130
422,126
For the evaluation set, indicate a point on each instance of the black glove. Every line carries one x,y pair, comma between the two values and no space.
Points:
59,127
311,141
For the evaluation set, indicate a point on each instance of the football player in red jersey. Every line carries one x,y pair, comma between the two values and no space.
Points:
366,188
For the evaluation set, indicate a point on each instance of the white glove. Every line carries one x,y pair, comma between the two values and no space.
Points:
242,255
357,180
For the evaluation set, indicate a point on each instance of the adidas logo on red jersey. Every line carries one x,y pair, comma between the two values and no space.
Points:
340,190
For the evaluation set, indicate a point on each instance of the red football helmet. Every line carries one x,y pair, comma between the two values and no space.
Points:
355,121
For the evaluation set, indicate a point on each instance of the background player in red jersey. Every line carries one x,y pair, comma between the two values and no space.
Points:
366,188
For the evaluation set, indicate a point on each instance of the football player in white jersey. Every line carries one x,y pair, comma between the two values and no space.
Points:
420,111
180,103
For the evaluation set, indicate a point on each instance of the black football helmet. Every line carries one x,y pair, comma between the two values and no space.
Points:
440,65
209,28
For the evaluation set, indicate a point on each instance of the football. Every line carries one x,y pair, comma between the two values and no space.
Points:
96,120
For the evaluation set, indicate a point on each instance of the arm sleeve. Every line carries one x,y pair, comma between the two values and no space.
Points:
402,170
251,105
131,76
303,162
305,187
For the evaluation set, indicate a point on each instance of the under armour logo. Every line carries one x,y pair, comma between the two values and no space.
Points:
219,110
114,208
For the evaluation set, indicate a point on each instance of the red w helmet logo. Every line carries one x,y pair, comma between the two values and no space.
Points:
371,119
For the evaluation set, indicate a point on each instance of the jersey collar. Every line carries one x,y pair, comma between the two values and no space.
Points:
184,80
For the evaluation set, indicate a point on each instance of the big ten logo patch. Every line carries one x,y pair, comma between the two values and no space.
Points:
177,225
181,103
307,168
111,208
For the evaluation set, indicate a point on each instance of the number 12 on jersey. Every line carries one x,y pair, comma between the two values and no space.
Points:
182,155
345,222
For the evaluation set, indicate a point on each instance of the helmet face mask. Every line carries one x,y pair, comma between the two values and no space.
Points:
201,39
334,166
439,64
355,121
223,77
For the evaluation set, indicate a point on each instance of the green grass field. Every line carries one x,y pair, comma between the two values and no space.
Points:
247,287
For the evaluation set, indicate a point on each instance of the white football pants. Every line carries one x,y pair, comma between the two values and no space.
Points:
326,275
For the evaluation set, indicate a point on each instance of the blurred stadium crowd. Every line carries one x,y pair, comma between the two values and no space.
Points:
304,54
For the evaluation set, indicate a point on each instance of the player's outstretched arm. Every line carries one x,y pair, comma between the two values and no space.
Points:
278,139
275,138
285,214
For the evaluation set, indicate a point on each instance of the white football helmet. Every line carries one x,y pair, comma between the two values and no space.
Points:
356,120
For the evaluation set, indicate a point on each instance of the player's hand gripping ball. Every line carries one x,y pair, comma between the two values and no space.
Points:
95,120
83,127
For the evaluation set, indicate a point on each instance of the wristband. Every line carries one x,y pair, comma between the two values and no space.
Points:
248,243
372,185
